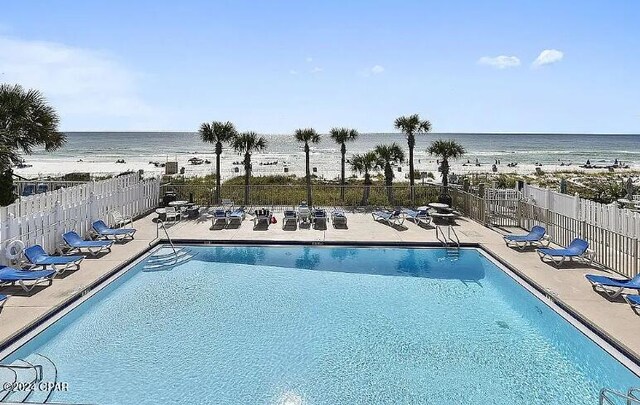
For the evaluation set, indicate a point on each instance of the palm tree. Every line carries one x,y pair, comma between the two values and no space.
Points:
217,133
26,121
389,155
364,164
342,136
247,143
307,135
445,150
410,126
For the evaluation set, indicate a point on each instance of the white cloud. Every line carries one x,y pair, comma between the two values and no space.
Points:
377,69
316,70
78,82
500,62
547,57
309,59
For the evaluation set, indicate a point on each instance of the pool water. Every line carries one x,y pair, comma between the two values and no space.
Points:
324,325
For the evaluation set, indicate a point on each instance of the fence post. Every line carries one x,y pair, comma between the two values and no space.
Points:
636,256
548,199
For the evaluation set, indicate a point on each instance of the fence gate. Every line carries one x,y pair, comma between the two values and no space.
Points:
502,207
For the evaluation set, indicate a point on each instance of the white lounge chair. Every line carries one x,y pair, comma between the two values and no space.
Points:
227,204
418,217
304,213
390,217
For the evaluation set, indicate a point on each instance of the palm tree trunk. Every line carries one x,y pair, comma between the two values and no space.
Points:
411,142
365,194
217,178
343,151
306,151
388,180
247,176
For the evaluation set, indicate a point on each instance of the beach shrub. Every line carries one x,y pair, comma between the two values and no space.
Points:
7,195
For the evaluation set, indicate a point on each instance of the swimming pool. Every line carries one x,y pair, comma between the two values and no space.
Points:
323,325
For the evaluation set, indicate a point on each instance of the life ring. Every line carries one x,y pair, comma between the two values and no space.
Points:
14,250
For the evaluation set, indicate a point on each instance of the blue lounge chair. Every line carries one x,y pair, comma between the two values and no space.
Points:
611,286
219,215
104,232
537,237
338,217
37,257
578,249
319,218
390,217
10,276
290,217
634,301
3,299
418,216
75,243
236,215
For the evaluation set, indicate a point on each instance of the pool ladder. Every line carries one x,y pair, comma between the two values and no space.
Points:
611,397
38,369
449,240
166,258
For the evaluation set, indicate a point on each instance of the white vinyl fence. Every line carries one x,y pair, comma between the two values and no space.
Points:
43,218
610,217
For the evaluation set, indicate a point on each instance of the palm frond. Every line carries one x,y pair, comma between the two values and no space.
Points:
307,135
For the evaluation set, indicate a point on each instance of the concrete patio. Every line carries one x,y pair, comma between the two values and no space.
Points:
567,285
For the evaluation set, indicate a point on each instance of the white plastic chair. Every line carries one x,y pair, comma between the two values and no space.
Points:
172,213
119,219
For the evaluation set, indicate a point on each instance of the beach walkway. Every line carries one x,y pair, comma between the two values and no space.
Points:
567,284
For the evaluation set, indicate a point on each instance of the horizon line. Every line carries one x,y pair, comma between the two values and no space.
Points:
372,133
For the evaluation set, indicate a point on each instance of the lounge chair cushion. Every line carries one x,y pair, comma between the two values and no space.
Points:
36,255
74,240
633,283
633,299
537,233
101,228
577,247
9,274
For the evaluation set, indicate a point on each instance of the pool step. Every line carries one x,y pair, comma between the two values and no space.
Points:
35,379
166,259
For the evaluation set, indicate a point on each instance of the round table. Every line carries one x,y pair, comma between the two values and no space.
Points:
162,214
439,206
179,203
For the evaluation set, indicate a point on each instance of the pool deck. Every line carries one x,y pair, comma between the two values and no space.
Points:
567,285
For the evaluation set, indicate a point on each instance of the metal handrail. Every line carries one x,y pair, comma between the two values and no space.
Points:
606,392
450,230
439,232
160,224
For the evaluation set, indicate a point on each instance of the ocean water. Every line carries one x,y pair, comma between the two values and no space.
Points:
97,152
319,325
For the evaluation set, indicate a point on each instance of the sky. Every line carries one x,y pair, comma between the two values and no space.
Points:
274,66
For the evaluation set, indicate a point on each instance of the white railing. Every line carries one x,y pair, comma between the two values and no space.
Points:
43,218
610,217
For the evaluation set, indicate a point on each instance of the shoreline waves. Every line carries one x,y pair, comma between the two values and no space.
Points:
97,153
